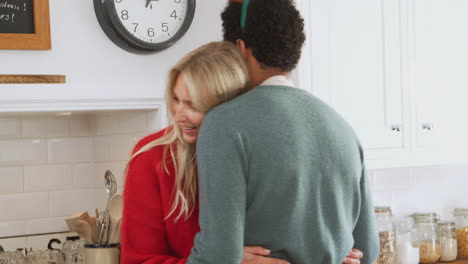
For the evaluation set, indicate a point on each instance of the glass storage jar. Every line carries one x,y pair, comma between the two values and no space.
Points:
429,245
407,241
461,224
448,241
387,252
73,249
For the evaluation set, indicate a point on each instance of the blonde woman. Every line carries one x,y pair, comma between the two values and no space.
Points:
160,197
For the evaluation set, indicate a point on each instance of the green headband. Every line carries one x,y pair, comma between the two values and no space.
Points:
245,5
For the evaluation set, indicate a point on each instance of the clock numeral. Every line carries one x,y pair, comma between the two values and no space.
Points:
177,1
124,15
150,32
165,28
136,26
118,1
174,14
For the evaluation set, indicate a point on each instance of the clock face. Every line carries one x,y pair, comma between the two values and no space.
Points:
152,21
144,26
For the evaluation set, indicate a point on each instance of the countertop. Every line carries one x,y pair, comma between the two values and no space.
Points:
465,261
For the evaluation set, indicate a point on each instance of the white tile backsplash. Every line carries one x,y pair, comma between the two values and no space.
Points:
12,228
102,148
52,166
23,152
120,146
24,206
132,122
58,170
121,123
153,121
47,177
70,150
65,203
45,225
10,127
83,175
80,126
45,126
391,179
11,180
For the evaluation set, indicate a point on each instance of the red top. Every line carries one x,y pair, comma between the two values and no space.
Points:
146,236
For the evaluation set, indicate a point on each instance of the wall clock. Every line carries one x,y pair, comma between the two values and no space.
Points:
144,26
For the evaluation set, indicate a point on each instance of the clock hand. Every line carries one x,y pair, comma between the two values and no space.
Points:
148,3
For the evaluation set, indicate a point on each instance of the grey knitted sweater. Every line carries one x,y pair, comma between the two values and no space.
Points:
281,169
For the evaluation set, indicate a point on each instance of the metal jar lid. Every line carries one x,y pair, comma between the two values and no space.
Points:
429,217
460,212
446,225
382,209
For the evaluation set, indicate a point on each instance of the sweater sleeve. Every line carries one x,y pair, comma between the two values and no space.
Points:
222,187
365,232
143,232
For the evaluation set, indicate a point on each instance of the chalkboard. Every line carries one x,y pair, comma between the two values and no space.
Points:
17,16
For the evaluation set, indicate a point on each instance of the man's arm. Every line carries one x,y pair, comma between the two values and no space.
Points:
365,232
222,193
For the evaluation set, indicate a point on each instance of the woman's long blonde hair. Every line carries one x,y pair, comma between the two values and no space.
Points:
214,73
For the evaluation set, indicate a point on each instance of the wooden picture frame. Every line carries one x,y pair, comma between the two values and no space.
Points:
40,40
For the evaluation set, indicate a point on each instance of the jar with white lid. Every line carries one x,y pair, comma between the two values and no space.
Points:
448,241
429,244
407,241
384,219
461,224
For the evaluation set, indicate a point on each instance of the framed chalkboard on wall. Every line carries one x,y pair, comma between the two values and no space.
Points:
25,24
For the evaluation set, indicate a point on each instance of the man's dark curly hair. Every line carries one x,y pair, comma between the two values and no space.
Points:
274,31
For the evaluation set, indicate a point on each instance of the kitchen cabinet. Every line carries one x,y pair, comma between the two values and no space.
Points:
438,64
395,70
356,68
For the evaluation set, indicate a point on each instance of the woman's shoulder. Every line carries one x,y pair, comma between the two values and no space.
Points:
148,139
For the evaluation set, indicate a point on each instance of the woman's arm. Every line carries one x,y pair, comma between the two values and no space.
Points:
258,255
143,233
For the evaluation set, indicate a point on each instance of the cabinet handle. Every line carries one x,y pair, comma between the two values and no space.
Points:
427,126
395,127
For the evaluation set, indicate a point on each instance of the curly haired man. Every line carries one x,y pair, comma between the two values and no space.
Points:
277,166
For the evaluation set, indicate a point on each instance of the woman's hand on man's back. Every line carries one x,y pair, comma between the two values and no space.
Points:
258,255
354,257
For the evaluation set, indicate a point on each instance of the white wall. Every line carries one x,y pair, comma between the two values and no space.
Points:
95,65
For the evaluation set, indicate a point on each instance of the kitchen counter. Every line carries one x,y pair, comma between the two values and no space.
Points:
465,261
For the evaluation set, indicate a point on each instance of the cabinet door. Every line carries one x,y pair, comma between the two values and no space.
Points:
356,65
439,45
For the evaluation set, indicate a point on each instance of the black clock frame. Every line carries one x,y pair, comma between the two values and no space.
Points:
116,32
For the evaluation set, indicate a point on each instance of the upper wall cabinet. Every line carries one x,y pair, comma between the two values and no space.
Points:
396,71
438,76
355,63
